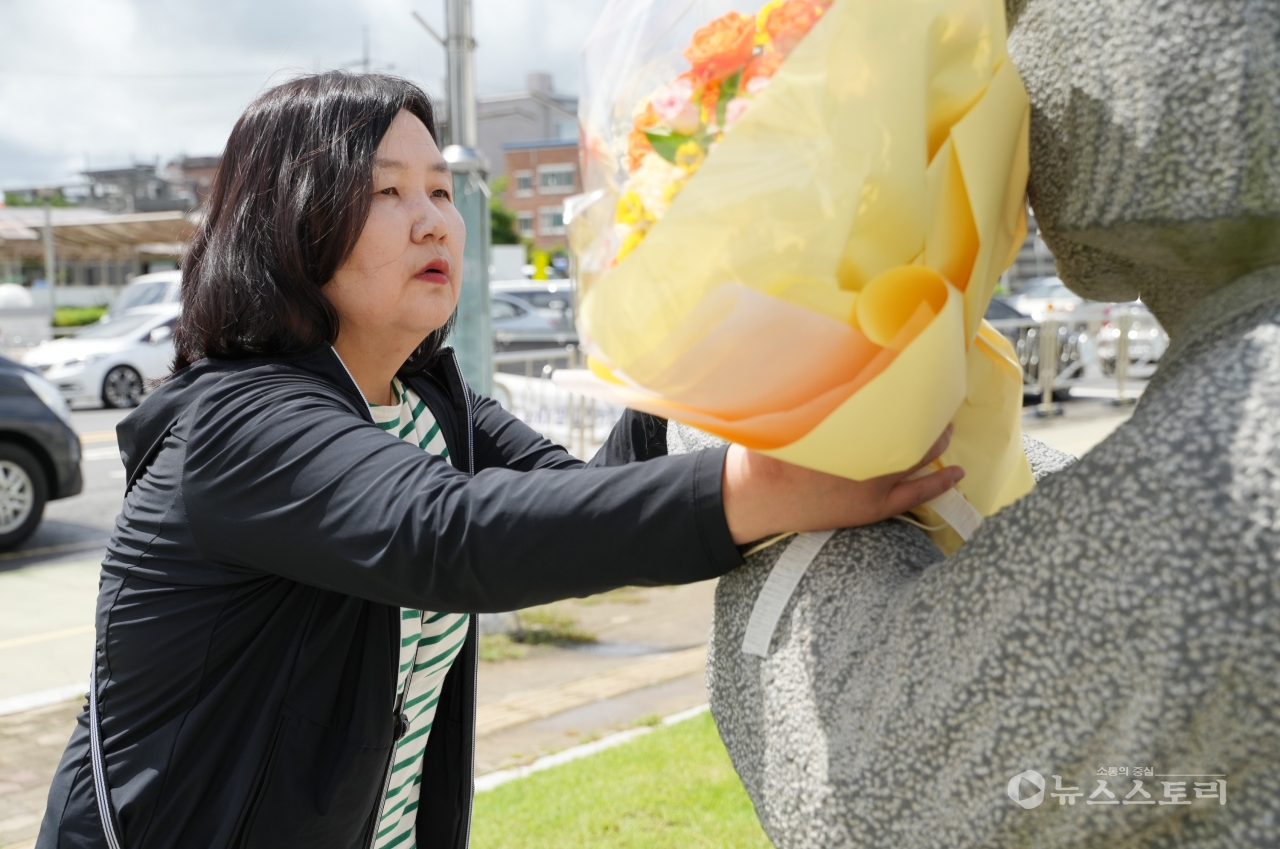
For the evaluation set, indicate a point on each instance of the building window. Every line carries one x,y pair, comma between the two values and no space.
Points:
557,179
551,221
524,224
524,184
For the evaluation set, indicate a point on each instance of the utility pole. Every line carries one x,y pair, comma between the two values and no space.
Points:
50,258
472,333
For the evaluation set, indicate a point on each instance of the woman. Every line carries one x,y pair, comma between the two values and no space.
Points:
284,656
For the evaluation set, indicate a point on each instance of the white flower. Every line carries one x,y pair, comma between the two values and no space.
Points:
650,182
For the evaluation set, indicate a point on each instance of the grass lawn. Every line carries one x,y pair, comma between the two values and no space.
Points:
671,789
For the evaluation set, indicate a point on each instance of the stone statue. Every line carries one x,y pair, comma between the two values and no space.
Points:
1126,614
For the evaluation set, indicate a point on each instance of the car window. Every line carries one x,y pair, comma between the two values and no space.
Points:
503,309
542,299
998,310
1048,289
140,295
116,327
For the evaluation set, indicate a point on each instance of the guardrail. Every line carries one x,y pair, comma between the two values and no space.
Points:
575,421
1108,352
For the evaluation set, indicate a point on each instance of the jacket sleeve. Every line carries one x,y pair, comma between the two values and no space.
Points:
502,440
282,477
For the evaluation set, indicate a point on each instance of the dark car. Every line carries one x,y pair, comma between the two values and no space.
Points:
39,452
519,322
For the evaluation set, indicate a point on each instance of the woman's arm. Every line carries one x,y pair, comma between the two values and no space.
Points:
502,440
281,476
762,496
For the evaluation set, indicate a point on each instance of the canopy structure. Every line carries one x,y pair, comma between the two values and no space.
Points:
90,245
85,234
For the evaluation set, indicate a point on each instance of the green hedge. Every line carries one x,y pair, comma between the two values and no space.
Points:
76,316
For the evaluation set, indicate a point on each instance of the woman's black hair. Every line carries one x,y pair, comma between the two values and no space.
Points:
286,207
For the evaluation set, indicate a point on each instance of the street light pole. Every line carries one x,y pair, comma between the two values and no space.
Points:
472,334
50,258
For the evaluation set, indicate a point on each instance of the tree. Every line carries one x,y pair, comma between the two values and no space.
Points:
502,221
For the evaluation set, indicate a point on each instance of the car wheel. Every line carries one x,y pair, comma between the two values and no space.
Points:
122,387
23,493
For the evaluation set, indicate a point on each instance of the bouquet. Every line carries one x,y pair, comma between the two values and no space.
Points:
797,212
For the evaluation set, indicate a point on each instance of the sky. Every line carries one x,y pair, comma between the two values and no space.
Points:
106,83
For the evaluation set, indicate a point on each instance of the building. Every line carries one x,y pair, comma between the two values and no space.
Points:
536,114
540,175
138,188
194,172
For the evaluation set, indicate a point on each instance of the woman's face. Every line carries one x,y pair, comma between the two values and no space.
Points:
402,279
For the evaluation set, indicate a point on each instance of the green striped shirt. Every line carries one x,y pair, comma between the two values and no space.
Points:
429,642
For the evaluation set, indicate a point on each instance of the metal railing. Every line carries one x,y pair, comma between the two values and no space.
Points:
522,384
1108,350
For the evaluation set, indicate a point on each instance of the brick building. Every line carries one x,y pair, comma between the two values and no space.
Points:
540,175
538,112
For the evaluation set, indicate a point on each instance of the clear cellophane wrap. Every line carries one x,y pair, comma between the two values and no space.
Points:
791,244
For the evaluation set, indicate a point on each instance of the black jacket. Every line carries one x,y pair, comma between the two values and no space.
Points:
248,614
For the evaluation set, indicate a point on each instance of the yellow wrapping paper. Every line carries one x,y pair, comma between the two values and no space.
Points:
816,290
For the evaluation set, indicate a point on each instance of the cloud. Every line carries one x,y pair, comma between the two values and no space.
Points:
115,81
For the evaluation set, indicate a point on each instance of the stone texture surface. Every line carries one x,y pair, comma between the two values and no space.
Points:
1155,134
1125,613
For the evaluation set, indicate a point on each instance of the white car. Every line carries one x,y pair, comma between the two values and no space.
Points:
159,287
110,359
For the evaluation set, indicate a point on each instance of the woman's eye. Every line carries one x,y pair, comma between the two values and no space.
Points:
391,190
441,193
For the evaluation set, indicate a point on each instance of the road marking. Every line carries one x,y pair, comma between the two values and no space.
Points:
46,636
53,549
518,710
98,436
488,781
102,454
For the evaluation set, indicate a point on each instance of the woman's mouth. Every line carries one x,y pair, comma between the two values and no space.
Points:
436,271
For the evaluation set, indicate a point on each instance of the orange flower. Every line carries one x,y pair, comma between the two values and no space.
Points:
648,119
790,22
722,46
638,146
761,67
710,97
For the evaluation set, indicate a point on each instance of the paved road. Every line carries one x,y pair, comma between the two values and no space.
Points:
77,523
49,584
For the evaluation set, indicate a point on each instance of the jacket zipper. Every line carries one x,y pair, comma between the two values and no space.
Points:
400,699
391,758
475,668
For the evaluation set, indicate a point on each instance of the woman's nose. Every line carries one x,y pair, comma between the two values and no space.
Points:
428,221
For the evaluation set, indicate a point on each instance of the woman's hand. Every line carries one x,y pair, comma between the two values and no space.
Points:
764,496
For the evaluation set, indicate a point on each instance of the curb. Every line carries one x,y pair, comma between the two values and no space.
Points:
489,781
